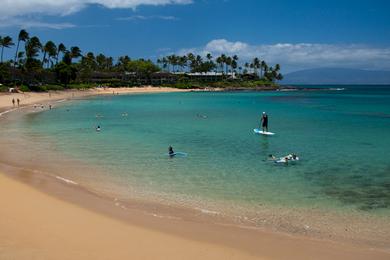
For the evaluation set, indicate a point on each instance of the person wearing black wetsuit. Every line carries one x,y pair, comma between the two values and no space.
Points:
170,151
264,121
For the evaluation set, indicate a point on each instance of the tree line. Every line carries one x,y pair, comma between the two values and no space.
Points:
222,64
35,61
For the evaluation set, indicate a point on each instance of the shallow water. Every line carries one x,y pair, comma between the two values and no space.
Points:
342,138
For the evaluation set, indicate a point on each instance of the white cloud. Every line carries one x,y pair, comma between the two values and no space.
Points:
151,17
25,24
12,8
302,55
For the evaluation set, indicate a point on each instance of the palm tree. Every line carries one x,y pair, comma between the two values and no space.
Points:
234,62
5,42
190,60
52,53
101,61
252,65
223,60
234,66
51,49
209,56
164,62
20,58
182,62
246,65
228,63
109,63
219,61
33,47
256,65
23,36
75,52
122,62
61,48
159,62
265,68
32,65
263,65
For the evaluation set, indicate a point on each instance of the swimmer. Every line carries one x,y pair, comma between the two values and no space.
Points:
170,151
271,157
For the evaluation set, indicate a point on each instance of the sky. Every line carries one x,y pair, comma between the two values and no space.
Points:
298,34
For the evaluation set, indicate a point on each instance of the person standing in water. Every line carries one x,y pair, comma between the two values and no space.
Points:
170,151
264,122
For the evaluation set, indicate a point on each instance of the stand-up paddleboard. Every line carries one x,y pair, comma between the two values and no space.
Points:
260,132
177,154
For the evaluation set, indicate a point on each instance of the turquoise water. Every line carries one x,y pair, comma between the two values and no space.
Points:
342,138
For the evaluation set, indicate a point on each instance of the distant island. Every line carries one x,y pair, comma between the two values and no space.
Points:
38,66
337,76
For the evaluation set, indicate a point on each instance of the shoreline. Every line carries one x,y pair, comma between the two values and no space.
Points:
246,241
44,98
210,240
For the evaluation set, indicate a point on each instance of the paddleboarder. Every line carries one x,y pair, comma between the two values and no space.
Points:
264,122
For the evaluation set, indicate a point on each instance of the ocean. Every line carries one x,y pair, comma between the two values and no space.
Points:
340,133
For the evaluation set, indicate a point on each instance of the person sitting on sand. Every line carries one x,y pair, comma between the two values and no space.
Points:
170,151
264,122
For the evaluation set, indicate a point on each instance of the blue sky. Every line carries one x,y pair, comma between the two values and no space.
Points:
297,34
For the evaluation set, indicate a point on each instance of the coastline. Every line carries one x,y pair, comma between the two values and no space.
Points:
215,241
42,98
51,218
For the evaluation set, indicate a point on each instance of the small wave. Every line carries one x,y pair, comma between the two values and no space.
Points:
61,100
287,89
338,89
7,111
163,216
210,212
66,180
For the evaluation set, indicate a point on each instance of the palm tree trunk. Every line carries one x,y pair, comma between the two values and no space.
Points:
43,59
16,54
2,50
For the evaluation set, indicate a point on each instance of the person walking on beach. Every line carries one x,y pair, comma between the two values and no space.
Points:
13,102
264,122
17,100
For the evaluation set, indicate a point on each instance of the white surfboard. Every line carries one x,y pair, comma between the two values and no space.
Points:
258,131
177,154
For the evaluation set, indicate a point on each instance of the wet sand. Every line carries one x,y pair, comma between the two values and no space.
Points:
42,217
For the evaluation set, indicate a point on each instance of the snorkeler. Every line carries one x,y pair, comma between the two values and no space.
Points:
272,157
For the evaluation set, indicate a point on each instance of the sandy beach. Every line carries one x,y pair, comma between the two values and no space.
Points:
43,217
35,98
